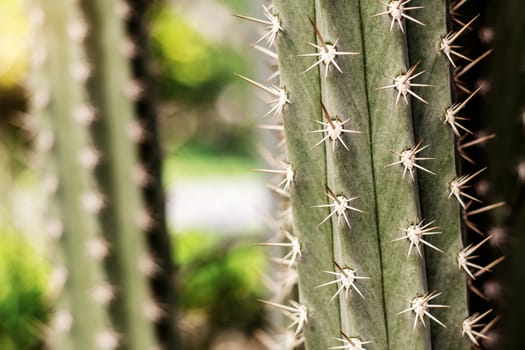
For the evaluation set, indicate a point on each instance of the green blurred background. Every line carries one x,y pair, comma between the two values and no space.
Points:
208,139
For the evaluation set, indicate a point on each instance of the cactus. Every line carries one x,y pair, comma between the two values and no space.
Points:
371,103
83,101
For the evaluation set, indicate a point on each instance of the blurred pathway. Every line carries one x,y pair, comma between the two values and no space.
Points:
224,204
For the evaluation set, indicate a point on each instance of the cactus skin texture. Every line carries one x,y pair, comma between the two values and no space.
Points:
83,99
378,207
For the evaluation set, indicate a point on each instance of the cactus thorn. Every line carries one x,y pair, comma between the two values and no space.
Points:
272,22
280,94
339,205
62,321
420,305
327,52
462,145
465,256
447,47
296,312
286,170
107,340
293,244
467,214
98,248
402,83
103,293
472,322
334,129
346,277
350,343
396,9
451,112
408,159
415,233
458,184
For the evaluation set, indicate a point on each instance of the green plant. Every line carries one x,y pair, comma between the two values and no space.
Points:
84,102
372,99
23,309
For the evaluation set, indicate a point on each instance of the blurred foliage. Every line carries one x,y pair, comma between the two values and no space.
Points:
189,161
13,46
221,283
190,67
23,275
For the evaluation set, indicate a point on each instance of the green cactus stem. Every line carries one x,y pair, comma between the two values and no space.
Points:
81,319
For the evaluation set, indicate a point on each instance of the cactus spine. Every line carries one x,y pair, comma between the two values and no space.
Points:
377,78
84,95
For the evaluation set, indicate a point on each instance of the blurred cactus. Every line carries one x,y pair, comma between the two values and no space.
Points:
84,102
371,102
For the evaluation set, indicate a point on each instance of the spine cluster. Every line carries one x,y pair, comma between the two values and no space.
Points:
369,108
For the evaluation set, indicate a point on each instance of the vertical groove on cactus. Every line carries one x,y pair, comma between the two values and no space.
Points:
109,89
79,317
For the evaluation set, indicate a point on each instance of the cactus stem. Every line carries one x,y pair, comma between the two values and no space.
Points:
447,47
327,53
402,83
458,184
351,343
420,305
297,313
347,277
415,234
408,159
340,206
472,322
280,93
272,22
396,9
